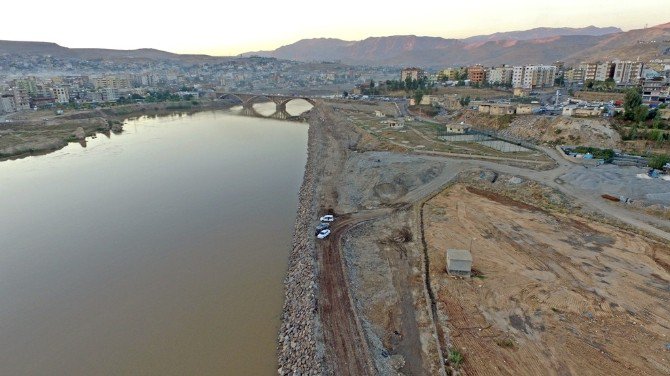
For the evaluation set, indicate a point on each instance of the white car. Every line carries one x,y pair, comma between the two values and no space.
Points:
327,218
323,234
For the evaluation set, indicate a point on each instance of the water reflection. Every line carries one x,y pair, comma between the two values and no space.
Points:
159,251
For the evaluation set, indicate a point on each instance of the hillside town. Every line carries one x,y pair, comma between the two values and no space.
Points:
42,83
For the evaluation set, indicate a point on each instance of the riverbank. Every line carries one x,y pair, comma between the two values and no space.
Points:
300,346
41,132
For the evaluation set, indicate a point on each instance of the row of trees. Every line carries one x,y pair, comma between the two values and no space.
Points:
646,124
154,96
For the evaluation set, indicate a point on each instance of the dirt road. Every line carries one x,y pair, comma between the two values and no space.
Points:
345,342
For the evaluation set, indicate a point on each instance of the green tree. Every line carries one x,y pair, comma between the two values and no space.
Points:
632,134
631,104
641,113
418,95
559,81
658,161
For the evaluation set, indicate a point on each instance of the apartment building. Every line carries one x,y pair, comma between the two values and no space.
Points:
574,75
414,73
62,94
604,71
7,103
111,82
627,72
599,71
533,76
476,74
453,74
656,91
500,75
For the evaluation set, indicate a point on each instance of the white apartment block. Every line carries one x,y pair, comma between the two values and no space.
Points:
533,76
500,75
627,72
604,71
517,76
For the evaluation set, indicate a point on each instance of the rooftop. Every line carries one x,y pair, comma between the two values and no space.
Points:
459,254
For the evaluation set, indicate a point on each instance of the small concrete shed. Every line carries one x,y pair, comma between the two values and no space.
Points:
459,262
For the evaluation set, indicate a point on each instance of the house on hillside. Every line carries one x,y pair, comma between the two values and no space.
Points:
457,128
496,109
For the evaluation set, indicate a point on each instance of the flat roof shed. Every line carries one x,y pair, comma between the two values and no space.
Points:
459,262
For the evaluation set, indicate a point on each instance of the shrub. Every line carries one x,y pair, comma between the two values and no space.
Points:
455,358
658,161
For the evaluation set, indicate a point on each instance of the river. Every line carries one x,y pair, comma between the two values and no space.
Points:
160,251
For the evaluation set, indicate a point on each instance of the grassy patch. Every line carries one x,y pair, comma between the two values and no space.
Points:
455,358
506,342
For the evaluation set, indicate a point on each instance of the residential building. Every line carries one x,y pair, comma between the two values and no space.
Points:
496,109
574,75
453,74
111,82
500,75
525,109
109,94
604,71
589,70
476,74
414,73
627,72
581,111
61,94
457,128
656,91
21,100
533,76
7,103
27,85
517,76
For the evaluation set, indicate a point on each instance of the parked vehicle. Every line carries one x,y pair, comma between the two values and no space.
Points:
320,227
323,234
327,218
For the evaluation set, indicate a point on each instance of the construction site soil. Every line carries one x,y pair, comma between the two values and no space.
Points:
552,293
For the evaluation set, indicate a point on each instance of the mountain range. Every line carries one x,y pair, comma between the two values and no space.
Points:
540,45
19,48
535,46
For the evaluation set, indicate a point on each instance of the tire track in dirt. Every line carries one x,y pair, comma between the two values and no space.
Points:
345,342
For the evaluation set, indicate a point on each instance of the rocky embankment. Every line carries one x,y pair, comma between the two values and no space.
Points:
298,348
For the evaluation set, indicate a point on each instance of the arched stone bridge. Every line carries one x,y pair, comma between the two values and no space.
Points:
280,101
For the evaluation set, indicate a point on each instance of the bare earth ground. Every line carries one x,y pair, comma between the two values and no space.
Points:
378,296
557,294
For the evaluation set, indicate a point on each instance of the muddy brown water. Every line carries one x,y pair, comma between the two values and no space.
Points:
160,251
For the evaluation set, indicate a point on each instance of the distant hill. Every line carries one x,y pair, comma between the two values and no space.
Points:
540,45
55,50
544,32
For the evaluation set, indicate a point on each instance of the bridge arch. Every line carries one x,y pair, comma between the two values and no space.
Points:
233,96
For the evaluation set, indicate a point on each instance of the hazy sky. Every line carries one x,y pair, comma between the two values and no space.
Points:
231,27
